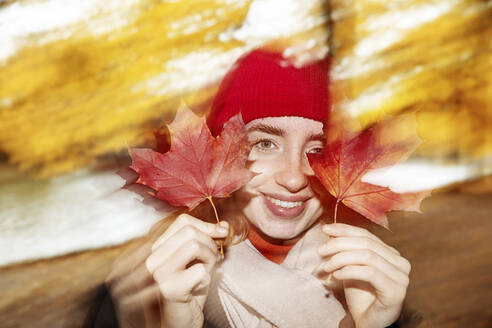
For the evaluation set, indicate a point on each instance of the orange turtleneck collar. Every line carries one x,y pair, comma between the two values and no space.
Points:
274,252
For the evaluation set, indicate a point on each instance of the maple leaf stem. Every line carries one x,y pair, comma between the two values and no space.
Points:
336,210
218,221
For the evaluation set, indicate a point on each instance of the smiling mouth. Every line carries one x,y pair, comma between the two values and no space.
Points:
284,208
283,203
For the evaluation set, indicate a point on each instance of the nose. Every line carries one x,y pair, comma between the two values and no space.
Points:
293,173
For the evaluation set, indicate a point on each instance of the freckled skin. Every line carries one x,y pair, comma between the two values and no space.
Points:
283,169
182,258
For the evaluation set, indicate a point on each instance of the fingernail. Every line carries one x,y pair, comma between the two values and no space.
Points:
328,281
327,267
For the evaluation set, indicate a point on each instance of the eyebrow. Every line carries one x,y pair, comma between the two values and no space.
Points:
266,128
317,137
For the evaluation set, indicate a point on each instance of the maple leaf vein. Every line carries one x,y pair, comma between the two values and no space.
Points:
176,177
365,193
363,205
359,174
195,183
199,160
326,177
222,166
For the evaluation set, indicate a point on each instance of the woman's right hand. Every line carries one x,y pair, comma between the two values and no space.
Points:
179,267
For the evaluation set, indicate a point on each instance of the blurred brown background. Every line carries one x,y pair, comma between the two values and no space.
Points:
82,81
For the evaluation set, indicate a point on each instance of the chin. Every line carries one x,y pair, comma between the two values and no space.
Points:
279,232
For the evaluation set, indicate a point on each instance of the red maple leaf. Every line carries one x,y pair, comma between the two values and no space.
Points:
197,166
350,154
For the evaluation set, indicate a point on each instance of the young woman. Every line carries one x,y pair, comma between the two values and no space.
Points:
292,269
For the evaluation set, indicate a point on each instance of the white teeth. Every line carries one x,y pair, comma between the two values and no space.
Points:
283,203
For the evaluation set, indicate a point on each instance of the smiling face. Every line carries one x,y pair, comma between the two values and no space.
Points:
279,201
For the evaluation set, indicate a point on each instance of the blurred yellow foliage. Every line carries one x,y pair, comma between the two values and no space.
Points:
438,62
67,102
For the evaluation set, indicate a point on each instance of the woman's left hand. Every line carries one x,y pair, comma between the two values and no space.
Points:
374,275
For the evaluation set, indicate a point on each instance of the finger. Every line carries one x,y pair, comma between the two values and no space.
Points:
179,286
386,289
346,230
211,229
339,244
177,241
191,251
365,257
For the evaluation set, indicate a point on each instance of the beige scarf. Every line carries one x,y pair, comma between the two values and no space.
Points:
249,291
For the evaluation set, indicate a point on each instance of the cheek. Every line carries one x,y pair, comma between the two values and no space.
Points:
317,208
248,196
264,167
260,182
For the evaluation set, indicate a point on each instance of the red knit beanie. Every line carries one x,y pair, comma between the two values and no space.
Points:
264,84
